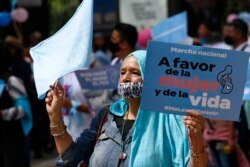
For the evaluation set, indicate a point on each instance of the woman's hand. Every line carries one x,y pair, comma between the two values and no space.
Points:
54,102
194,122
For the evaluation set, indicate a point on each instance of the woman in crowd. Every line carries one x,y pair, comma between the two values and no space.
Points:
123,134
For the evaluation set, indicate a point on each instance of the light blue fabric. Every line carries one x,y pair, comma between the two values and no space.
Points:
140,55
119,107
159,139
26,121
66,51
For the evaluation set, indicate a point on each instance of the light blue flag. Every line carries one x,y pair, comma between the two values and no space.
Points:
173,29
66,51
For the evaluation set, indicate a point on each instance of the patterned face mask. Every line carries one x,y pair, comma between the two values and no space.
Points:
130,90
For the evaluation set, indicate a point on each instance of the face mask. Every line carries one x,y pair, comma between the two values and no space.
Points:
114,47
130,90
228,40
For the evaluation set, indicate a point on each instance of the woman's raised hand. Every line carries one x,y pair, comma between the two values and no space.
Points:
54,101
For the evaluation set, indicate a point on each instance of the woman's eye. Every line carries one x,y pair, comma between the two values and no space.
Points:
136,73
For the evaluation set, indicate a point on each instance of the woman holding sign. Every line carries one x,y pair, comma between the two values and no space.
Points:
125,135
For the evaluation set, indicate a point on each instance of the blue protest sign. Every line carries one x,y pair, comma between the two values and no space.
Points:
181,77
105,77
1,87
173,29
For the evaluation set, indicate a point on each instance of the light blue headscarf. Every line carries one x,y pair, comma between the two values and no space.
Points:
158,139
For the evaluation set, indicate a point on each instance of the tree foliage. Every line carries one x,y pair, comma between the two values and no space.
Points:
60,12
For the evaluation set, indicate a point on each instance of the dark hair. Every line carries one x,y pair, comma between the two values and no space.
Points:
241,26
207,24
128,33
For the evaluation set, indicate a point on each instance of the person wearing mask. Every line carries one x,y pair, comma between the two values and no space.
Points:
123,134
123,41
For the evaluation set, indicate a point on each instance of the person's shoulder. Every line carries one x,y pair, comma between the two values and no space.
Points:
99,118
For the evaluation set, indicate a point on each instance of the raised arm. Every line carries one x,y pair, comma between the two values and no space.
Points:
71,153
54,103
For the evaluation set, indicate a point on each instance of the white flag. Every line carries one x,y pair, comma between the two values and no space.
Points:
66,51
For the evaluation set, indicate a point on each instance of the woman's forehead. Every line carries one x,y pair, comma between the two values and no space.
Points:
129,60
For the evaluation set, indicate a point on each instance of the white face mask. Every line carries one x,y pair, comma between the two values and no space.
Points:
130,90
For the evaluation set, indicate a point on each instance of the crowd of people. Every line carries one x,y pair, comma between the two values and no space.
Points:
107,127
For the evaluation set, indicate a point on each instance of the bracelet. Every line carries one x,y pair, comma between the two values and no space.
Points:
58,134
61,135
58,129
60,122
195,155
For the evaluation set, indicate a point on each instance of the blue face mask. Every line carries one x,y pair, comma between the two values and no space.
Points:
130,90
